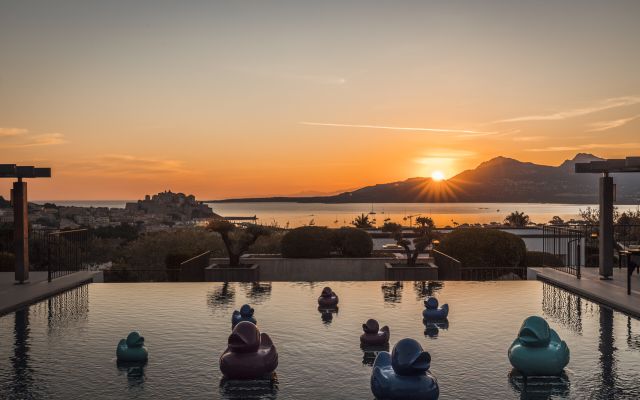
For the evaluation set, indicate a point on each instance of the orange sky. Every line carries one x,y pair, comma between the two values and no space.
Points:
262,98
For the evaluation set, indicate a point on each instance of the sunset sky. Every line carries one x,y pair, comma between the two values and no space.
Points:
252,98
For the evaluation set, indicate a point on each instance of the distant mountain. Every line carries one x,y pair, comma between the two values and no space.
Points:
499,180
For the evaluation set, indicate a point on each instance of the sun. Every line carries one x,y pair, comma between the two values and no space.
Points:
437,176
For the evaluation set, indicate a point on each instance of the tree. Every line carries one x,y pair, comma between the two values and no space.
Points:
237,240
556,221
362,222
592,215
517,219
420,243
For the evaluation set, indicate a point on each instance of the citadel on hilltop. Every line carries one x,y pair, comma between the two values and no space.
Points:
161,211
179,206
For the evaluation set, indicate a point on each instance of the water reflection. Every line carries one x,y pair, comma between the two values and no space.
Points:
22,373
257,292
255,389
134,371
606,346
369,353
424,289
392,292
326,314
542,388
432,328
221,297
633,339
563,307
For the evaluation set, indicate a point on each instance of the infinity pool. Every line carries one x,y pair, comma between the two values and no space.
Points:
64,347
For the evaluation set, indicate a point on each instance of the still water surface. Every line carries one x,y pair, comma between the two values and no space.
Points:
64,347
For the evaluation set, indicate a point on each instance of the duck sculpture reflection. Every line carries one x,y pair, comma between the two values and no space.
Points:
373,335
328,298
245,314
404,374
132,349
249,354
538,350
432,311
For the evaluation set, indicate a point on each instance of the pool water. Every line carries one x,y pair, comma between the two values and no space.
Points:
64,347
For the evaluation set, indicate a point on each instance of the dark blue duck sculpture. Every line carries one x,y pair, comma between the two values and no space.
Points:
538,350
245,314
432,312
373,335
404,374
132,349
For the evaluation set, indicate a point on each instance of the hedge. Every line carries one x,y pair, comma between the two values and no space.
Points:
319,242
353,242
484,248
307,242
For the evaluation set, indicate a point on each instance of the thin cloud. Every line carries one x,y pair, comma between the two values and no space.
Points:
603,105
5,132
27,140
528,138
606,125
463,132
125,164
589,146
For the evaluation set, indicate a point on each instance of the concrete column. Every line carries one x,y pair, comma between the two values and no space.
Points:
606,227
21,230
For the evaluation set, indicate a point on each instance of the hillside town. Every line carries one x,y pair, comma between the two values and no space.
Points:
158,212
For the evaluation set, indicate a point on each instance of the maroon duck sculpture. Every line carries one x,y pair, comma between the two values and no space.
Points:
249,354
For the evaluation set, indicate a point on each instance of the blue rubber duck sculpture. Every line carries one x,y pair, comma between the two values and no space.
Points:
432,311
245,314
538,350
132,349
404,374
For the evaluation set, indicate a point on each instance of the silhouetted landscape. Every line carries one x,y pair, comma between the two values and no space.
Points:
499,180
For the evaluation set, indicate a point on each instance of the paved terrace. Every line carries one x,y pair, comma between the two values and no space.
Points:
14,296
612,293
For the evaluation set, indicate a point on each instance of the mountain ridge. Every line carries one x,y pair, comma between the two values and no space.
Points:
500,180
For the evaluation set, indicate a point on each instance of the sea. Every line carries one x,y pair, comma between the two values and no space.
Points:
335,215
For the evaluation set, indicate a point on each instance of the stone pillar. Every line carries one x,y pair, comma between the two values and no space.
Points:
606,227
21,230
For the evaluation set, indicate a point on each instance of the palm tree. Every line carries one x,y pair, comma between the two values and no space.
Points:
362,222
517,219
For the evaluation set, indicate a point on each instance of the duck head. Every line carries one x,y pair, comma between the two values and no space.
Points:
327,292
408,358
246,311
535,332
431,303
371,326
135,340
245,338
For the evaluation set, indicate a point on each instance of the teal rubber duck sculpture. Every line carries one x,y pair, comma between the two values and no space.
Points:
538,350
132,349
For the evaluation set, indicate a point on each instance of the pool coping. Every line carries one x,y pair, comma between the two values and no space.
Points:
23,295
597,291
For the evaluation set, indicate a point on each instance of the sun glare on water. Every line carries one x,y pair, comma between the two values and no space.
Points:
437,176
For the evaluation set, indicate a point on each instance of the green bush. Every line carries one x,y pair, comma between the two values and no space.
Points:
484,248
7,262
352,242
173,260
535,258
307,242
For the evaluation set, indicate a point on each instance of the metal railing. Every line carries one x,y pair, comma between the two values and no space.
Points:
59,252
449,269
192,270
562,248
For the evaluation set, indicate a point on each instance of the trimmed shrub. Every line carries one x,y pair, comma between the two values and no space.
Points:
352,242
307,242
535,258
484,248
